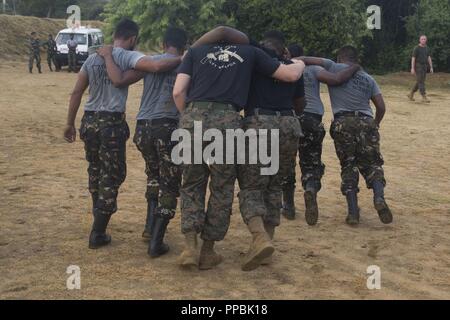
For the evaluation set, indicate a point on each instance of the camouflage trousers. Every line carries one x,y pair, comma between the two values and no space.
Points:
310,150
51,59
104,135
357,143
153,140
72,60
34,56
213,222
260,195
421,77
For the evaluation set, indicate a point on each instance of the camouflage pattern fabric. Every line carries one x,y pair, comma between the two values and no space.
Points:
34,54
104,136
213,222
310,150
163,176
260,195
357,143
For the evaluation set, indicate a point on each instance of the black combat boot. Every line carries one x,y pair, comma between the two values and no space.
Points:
312,209
353,209
381,206
157,247
150,219
98,237
31,70
288,210
39,69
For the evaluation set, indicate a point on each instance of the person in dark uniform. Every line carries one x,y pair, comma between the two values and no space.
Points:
271,105
35,53
421,62
104,129
214,81
156,121
51,51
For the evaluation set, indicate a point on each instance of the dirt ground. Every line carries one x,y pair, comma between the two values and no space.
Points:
45,213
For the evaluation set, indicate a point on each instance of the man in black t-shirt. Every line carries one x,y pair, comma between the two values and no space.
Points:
214,81
270,106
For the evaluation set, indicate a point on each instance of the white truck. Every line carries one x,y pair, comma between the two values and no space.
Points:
88,40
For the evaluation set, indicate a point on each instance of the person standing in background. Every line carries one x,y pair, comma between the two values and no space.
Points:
72,56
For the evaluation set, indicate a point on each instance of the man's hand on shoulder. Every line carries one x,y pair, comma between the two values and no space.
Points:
105,51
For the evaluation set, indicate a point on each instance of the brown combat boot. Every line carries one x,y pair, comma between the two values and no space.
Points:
270,232
411,96
261,247
188,258
425,99
208,257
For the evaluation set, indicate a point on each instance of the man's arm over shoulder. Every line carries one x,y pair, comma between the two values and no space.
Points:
273,68
222,34
337,79
180,90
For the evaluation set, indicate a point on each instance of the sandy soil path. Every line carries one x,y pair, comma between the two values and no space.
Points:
45,214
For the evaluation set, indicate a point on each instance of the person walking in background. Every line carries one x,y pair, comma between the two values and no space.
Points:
420,62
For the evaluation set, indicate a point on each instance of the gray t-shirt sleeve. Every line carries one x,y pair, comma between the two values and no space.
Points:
327,64
128,59
87,63
315,70
375,88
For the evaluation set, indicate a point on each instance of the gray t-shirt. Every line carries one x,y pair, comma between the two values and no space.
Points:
354,95
314,103
157,99
103,96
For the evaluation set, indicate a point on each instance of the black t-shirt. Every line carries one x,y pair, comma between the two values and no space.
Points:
222,73
269,93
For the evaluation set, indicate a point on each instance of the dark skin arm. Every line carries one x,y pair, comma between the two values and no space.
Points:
299,105
336,79
146,64
119,78
380,107
70,132
329,78
222,34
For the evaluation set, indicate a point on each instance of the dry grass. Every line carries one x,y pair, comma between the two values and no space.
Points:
45,213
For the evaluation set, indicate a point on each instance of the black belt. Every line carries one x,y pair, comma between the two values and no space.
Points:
106,114
352,114
268,112
152,122
312,115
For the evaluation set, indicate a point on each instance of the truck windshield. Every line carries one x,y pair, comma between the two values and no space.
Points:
80,38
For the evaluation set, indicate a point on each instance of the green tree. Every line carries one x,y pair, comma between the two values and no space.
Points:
432,18
154,16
